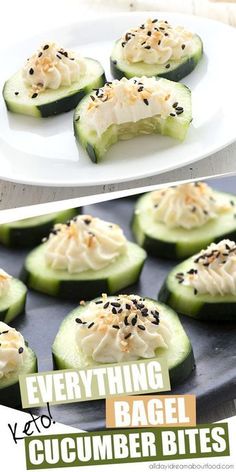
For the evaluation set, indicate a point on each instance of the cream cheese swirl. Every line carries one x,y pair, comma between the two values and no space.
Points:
188,206
84,243
123,328
52,67
213,271
156,42
130,100
5,283
12,350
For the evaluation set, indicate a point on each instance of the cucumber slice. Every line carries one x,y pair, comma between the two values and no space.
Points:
179,356
9,385
178,243
175,127
176,71
203,307
51,102
30,231
13,303
123,272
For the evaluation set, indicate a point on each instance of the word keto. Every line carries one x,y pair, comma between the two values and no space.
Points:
65,386
35,424
95,448
160,410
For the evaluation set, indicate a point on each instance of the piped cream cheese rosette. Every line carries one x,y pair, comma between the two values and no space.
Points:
123,328
156,48
82,258
125,108
176,221
204,286
53,80
12,296
15,358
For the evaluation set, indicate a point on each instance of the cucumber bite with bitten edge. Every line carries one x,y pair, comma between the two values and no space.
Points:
176,222
123,328
156,48
52,81
30,231
83,258
12,297
123,109
204,286
16,358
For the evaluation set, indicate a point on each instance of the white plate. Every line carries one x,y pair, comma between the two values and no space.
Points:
44,152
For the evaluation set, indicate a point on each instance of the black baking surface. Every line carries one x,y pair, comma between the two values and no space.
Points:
214,344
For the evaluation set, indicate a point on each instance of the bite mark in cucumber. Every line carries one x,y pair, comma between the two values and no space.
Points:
178,243
51,102
179,355
123,272
176,69
173,126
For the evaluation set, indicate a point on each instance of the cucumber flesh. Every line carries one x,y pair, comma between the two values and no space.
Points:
13,303
97,146
179,355
123,272
204,307
51,102
178,243
30,231
177,70
9,385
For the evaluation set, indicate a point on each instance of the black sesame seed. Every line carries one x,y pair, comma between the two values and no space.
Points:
20,350
31,71
140,306
155,20
126,321
115,326
59,57
232,202
123,44
156,322
78,320
161,28
120,310
127,306
77,119
144,312
175,105
147,47
117,305
166,34
141,327
106,305
40,54
179,112
195,291
5,332
183,46
114,62
114,311
91,324
146,101
172,114
140,89
167,66
45,47
134,320
142,26
179,108
87,221
128,336
149,33
159,42
98,302
16,93
34,95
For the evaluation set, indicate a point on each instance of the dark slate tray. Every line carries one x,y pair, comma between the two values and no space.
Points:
214,345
